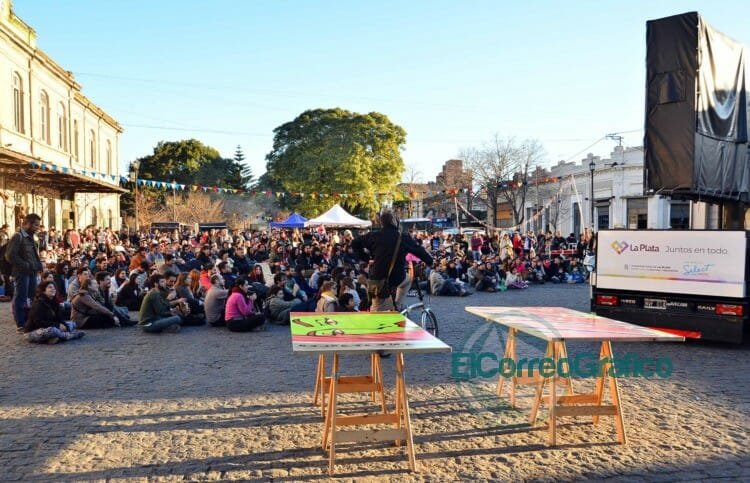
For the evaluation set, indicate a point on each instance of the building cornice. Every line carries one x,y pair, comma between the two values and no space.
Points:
78,96
56,69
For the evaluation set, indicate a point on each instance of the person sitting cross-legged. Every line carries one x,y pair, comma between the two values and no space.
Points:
87,312
156,313
45,322
241,314
216,301
103,296
278,308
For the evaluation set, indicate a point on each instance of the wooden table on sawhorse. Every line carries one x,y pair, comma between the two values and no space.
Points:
557,325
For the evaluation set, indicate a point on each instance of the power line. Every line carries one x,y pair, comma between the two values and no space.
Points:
197,129
570,158
271,91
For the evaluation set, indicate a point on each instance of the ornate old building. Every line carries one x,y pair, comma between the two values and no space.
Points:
59,152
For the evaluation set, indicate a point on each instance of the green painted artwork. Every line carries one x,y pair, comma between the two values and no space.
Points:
347,324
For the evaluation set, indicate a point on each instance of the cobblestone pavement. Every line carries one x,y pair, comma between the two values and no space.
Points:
207,404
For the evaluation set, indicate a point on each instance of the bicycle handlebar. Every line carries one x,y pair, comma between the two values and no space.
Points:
412,307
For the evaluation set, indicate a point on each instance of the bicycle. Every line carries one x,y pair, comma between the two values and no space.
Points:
427,318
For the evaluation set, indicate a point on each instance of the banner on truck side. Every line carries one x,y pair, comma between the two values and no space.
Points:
708,263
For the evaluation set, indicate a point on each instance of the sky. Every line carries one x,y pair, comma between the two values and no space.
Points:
451,73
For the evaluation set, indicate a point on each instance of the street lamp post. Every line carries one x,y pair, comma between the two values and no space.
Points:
174,200
592,167
136,165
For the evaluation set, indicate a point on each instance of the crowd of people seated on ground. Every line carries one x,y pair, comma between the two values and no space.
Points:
241,280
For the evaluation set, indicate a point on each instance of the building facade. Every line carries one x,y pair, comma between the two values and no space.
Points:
453,180
618,198
59,152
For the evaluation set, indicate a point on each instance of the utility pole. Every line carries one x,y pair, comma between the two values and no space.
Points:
136,165
538,206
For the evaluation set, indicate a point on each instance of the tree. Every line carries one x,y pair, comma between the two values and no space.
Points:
149,210
336,151
248,180
190,162
412,184
195,207
187,162
501,166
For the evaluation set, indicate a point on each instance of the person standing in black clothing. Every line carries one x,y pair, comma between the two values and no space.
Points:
22,253
388,269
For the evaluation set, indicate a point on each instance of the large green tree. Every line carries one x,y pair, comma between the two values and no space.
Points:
336,151
190,162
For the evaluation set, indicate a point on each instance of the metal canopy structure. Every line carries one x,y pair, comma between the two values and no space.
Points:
22,171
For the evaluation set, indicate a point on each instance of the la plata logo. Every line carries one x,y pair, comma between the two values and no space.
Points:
619,247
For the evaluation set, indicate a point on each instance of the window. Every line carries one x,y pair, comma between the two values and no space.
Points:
92,149
109,157
637,213
62,127
679,216
18,103
602,215
75,139
44,117
94,218
110,219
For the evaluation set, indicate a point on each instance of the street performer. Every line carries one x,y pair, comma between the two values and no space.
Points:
387,249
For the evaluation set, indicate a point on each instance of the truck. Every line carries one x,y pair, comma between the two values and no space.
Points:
696,147
689,282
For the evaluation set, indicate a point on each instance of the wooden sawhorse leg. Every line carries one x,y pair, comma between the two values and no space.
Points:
583,404
401,419
372,383
510,354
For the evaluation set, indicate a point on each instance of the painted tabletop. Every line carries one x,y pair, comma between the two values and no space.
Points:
558,323
360,332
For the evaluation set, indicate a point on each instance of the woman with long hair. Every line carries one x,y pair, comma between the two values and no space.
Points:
326,297
121,277
45,323
256,275
195,284
183,291
242,315
130,294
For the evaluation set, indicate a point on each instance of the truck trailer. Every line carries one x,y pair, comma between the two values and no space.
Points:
690,282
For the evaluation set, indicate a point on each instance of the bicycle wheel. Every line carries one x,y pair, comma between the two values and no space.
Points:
429,322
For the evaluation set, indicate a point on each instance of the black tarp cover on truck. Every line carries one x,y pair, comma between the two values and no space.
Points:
696,132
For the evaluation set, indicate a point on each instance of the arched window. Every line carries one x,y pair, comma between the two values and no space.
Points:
75,138
92,149
44,117
62,127
109,157
18,102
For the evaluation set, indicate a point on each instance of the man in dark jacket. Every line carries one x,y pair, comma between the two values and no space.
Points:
156,313
380,247
23,254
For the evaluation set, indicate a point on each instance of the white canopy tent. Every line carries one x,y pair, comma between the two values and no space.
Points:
338,217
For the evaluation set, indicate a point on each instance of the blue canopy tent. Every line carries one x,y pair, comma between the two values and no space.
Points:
295,220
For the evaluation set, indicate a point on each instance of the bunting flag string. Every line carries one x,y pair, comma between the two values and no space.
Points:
171,185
